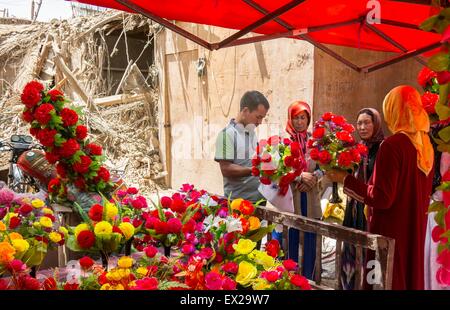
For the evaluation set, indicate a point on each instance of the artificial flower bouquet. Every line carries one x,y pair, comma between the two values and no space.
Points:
278,161
60,130
30,228
102,231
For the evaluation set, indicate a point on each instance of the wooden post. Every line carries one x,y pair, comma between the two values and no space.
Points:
318,263
338,264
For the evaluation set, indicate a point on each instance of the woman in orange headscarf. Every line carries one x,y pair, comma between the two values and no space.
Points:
305,191
400,187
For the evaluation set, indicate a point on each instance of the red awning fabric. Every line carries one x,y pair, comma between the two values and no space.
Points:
237,14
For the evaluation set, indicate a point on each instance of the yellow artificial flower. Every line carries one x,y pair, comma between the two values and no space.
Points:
20,245
46,222
124,273
254,223
236,204
262,258
2,226
6,252
260,284
103,228
111,210
246,272
47,211
127,229
118,287
244,246
125,262
105,287
55,237
63,230
37,203
37,225
80,227
14,236
114,275
11,215
142,272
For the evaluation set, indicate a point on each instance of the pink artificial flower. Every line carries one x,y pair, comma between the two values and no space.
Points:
6,196
213,281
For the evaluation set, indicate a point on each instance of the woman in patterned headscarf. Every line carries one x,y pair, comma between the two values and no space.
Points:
400,187
368,126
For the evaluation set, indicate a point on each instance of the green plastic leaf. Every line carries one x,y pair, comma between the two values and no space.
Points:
428,24
436,206
261,232
439,62
442,110
444,134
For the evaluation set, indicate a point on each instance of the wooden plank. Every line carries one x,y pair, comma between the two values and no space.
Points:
118,99
301,250
285,241
318,262
338,264
385,256
359,276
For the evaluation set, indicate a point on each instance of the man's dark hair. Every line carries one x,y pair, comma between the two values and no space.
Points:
252,99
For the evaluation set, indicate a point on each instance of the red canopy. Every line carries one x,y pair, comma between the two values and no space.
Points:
338,22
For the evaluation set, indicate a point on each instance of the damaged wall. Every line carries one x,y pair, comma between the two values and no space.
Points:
200,106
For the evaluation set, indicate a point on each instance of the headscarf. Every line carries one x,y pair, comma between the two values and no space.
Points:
378,134
295,109
404,113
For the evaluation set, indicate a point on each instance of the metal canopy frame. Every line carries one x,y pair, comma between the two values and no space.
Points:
236,39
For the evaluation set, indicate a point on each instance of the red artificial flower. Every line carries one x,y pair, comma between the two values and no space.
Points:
47,137
287,141
55,94
116,229
429,101
345,159
436,234
345,136
288,161
274,140
31,94
25,209
16,265
166,202
300,281
103,174
34,131
83,165
443,277
81,132
295,149
86,239
290,265
178,205
270,276
50,216
53,185
51,157
318,133
61,170
147,284
132,190
273,248
356,156
245,225
151,251
425,77
161,227
28,283
362,149
266,158
69,148
265,180
96,213
314,154
136,223
255,172
443,77
174,225
339,120
80,183
246,207
139,203
71,286
327,116
256,160
69,117
228,284
14,222
324,157
189,226
27,116
213,281
444,259
49,284
41,239
230,267
94,149
348,127
42,113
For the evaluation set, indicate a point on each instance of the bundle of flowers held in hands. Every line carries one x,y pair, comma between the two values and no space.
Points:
278,161
332,144
59,129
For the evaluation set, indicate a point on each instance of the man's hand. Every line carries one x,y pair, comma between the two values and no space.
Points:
336,175
230,170
309,180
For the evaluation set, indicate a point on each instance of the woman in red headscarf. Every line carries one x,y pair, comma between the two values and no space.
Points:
305,191
400,188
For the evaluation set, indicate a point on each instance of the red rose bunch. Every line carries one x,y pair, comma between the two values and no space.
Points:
59,129
278,161
332,144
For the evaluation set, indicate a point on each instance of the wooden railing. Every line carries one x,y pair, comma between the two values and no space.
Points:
382,247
